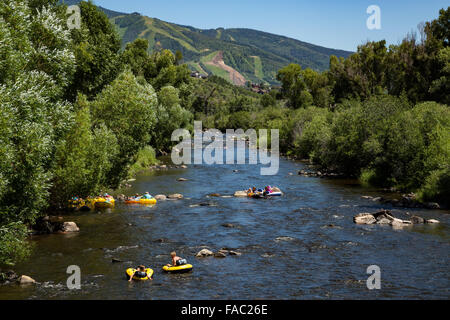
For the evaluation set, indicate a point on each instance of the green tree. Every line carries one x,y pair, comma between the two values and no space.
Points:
170,116
127,107
83,158
136,57
96,46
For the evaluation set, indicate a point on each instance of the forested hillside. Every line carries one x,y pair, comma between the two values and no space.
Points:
256,55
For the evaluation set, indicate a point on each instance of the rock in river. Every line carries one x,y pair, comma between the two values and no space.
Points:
417,220
220,254
70,227
175,196
385,217
25,280
284,238
240,194
160,197
204,253
364,218
182,179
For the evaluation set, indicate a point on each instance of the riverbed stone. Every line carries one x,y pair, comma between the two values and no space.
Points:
160,197
175,196
284,238
234,253
417,220
384,221
182,179
204,253
364,218
432,221
400,223
432,205
240,194
70,227
26,280
220,254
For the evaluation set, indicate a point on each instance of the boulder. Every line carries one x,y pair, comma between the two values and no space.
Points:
384,221
432,221
383,214
204,253
183,167
220,254
400,223
364,218
175,196
240,194
417,220
214,195
121,197
234,253
25,280
432,205
182,179
160,197
70,227
6,276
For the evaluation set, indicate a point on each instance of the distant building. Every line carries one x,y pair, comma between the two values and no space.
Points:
198,75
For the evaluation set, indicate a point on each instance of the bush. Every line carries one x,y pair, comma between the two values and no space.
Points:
13,247
146,157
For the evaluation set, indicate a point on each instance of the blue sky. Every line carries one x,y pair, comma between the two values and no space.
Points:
334,24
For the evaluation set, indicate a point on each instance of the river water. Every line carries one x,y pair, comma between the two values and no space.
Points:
303,245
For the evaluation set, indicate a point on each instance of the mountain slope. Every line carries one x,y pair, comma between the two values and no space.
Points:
233,54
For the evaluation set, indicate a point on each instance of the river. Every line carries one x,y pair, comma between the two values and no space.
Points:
325,257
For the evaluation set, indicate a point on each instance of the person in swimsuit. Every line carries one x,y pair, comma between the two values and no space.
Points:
139,273
176,261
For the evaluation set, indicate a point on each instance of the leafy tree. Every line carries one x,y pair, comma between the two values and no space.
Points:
96,46
178,57
127,107
83,158
136,57
36,66
170,116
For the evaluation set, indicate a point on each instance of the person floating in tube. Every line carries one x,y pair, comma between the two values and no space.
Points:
139,273
176,261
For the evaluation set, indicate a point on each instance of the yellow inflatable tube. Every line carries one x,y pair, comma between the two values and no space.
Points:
141,201
178,269
104,203
131,271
